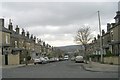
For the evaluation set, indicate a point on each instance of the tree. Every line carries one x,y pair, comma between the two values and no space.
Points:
83,37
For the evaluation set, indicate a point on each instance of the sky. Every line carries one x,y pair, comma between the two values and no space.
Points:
56,23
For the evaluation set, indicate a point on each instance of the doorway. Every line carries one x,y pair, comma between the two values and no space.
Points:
6,59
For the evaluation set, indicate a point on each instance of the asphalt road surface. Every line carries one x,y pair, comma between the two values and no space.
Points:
63,69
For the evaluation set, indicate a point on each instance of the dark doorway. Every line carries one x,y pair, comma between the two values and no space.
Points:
6,59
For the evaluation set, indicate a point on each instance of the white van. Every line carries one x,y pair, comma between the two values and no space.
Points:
79,59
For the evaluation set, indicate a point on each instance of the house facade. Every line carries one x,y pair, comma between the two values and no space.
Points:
16,47
110,40
5,45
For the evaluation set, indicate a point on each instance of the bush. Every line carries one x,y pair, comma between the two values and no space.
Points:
109,54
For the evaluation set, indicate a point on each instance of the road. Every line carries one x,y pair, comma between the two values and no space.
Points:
63,69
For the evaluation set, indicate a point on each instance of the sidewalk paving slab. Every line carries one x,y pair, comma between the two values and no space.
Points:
98,67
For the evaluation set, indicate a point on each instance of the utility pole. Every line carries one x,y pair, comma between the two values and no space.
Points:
101,51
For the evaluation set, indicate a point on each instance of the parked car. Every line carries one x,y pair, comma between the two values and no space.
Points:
40,60
66,57
79,59
56,59
52,60
37,61
43,60
61,59
47,59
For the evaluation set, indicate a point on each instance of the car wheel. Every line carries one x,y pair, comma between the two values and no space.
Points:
34,63
42,62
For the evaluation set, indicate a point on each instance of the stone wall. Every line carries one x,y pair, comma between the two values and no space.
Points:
13,59
4,36
112,60
0,60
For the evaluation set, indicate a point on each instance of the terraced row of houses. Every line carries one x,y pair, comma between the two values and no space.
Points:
110,40
16,46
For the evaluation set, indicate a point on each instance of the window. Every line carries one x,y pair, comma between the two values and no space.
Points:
112,35
28,46
22,44
16,44
0,50
7,39
36,54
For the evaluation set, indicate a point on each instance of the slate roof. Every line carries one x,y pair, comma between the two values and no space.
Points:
3,29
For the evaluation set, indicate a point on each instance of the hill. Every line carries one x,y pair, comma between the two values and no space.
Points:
71,48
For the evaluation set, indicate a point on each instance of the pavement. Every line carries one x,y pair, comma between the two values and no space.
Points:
98,67
14,66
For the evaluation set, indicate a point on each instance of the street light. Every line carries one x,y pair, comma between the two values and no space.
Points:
101,51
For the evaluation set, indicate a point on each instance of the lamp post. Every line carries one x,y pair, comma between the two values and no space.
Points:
101,51
26,54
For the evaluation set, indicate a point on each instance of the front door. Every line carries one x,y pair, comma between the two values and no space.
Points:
6,59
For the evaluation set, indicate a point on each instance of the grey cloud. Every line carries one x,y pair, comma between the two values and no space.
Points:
56,13
55,37
36,16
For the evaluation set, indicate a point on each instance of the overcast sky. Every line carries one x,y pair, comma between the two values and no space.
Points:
57,22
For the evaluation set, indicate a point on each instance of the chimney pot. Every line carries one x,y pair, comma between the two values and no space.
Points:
10,26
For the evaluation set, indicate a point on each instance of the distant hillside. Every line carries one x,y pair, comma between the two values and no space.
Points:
71,48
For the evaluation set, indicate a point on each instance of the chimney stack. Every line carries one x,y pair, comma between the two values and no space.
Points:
31,36
17,29
28,34
2,23
39,41
23,32
34,38
95,39
43,43
47,45
117,17
98,36
10,26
